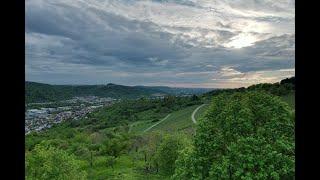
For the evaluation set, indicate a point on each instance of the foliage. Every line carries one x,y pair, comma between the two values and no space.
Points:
244,135
185,168
167,153
115,146
128,111
38,92
46,162
285,87
253,158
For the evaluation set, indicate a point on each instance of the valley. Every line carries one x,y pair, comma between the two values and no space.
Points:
147,138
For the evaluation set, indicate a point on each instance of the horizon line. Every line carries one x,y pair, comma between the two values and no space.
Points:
68,84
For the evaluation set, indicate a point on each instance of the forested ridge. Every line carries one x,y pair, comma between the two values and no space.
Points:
39,92
284,87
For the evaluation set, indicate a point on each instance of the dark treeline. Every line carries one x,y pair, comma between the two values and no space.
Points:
38,92
283,87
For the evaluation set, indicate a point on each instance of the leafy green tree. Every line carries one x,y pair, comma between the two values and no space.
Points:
254,158
185,164
115,146
152,142
242,136
46,162
168,152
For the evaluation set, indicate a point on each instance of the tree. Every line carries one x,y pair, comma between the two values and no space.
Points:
254,158
185,164
168,152
115,147
46,162
152,142
243,135
194,98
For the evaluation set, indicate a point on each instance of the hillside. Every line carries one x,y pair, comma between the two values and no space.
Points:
282,88
176,121
38,92
177,91
116,142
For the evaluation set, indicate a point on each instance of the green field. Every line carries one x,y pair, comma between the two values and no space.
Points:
177,121
140,126
126,167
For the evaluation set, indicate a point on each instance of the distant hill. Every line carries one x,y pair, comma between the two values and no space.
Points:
176,90
284,87
39,92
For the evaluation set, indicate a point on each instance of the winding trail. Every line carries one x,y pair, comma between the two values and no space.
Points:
194,112
156,123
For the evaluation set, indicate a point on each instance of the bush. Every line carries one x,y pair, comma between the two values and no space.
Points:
168,152
46,162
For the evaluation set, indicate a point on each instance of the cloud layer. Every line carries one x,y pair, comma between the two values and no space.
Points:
191,43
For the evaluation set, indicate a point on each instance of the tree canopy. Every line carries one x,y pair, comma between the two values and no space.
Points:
47,162
242,136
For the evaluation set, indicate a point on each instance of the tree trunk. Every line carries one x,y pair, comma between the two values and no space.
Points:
91,159
157,167
230,173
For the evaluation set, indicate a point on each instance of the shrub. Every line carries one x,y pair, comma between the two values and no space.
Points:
47,162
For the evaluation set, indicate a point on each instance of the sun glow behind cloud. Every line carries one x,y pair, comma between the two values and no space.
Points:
242,40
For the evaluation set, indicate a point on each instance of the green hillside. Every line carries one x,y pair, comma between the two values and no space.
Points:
201,111
179,120
111,143
177,91
38,92
282,88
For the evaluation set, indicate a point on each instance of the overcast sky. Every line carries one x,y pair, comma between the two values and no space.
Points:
183,43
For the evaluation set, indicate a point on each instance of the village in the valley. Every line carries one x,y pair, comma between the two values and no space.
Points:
37,119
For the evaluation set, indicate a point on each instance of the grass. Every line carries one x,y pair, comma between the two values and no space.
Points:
178,120
140,126
125,168
201,111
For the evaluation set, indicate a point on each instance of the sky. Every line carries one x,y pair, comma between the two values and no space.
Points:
178,43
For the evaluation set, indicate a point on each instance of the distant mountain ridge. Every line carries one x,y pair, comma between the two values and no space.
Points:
176,90
40,92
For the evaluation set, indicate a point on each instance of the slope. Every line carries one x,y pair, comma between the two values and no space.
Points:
39,92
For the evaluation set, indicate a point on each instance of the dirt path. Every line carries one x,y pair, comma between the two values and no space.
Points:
156,123
194,112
